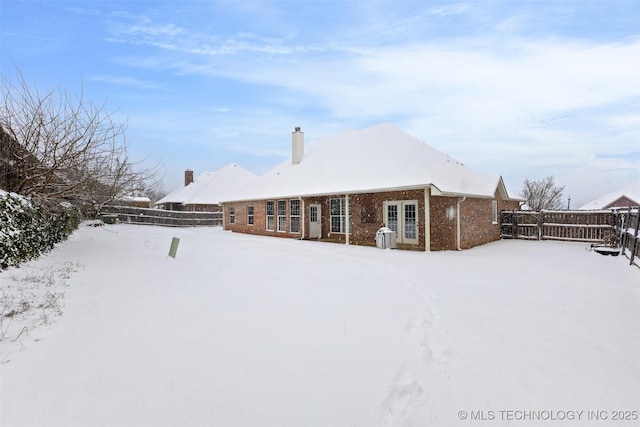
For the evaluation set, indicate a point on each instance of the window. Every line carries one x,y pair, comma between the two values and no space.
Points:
410,221
270,215
250,215
494,211
232,215
392,217
282,215
337,211
294,214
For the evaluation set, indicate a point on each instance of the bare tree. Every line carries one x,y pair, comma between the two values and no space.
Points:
58,146
542,194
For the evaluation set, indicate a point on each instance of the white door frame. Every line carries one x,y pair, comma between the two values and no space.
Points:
403,223
315,227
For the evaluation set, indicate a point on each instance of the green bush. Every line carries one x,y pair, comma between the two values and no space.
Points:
28,229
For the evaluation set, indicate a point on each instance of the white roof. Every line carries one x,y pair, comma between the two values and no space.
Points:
631,191
210,188
378,158
135,199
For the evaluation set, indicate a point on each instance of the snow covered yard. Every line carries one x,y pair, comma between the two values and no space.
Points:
242,330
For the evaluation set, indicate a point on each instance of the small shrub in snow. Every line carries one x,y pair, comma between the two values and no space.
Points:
29,229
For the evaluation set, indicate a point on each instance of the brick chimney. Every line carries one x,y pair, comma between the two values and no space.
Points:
188,177
297,146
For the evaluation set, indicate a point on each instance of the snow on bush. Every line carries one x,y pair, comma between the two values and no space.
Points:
29,229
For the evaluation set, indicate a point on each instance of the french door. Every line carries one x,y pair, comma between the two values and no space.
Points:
402,217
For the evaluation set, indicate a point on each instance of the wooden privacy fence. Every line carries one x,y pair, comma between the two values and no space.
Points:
615,228
132,215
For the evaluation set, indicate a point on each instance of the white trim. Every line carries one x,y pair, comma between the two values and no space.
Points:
302,217
427,221
266,216
278,216
291,216
253,215
494,212
347,223
318,221
401,204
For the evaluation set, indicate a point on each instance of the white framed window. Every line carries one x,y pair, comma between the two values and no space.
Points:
282,215
232,215
250,216
270,215
494,211
337,215
294,215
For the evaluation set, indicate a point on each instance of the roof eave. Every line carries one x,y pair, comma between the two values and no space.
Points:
336,192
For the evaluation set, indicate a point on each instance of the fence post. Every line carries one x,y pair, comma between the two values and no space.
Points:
634,247
625,227
541,225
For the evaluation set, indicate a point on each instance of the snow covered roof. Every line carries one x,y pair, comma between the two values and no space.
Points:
135,199
631,192
210,187
378,158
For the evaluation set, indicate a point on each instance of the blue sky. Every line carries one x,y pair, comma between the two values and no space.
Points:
524,89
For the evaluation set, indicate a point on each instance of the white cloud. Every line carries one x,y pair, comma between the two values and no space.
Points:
547,105
126,81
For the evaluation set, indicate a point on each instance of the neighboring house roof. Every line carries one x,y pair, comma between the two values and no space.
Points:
378,158
135,199
629,195
210,188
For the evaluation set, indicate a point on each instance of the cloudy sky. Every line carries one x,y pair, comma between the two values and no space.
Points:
524,89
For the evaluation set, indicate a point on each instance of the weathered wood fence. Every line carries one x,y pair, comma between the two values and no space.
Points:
132,215
615,228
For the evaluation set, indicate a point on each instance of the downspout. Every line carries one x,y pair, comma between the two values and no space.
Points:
460,200
427,221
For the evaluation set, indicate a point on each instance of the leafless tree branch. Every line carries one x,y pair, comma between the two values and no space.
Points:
543,194
58,146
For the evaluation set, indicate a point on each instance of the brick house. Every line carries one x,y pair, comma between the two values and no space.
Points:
207,190
627,196
346,186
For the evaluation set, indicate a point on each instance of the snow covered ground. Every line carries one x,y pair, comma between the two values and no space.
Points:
243,330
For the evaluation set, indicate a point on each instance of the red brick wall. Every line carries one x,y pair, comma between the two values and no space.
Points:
366,213
442,212
367,218
476,223
476,227
621,202
475,218
241,225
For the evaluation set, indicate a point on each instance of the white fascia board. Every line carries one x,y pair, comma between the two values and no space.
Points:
337,192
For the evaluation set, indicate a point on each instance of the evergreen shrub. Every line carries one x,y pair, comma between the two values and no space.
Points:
29,229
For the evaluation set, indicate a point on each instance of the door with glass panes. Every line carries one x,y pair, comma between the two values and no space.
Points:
402,217
315,221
